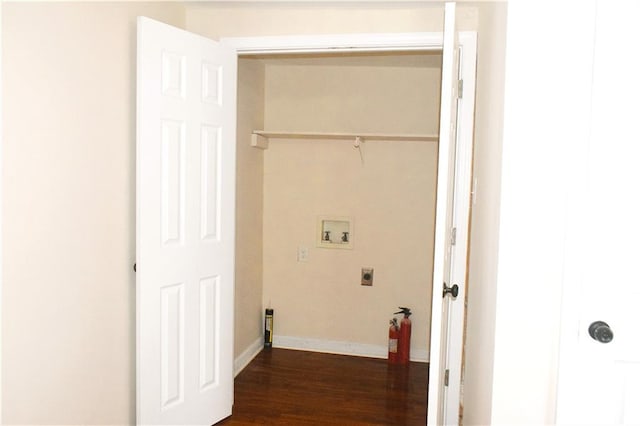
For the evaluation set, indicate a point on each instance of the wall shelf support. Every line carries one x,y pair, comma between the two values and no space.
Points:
260,138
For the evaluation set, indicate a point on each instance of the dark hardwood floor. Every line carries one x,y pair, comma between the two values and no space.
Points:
289,387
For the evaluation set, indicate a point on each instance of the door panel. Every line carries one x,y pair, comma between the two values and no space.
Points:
599,382
185,226
446,346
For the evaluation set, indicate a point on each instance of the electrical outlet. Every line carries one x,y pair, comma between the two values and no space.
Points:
303,254
366,277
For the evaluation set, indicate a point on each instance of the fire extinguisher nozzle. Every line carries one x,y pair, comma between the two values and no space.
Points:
405,311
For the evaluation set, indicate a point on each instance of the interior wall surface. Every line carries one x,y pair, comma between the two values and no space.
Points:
485,215
248,290
68,210
387,188
245,19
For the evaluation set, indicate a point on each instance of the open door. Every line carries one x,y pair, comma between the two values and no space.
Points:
185,232
451,239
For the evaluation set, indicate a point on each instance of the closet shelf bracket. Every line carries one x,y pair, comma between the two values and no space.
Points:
259,141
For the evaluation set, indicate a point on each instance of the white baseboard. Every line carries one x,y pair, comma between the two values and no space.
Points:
247,355
342,348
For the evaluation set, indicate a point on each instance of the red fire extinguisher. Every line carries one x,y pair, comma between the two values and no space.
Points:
394,334
404,343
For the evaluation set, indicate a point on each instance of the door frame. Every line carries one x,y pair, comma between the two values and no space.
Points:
389,42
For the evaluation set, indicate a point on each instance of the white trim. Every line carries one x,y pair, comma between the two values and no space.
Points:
309,1
354,43
247,356
341,347
335,43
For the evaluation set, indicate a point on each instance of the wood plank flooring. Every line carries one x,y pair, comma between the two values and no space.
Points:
287,387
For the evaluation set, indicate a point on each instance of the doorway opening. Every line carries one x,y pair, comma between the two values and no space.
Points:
384,190
302,133
382,185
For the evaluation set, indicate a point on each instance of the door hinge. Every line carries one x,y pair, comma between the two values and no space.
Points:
446,377
453,236
460,84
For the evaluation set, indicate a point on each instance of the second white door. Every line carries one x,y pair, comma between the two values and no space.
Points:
185,226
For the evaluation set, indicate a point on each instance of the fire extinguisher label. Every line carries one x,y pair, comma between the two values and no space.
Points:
393,345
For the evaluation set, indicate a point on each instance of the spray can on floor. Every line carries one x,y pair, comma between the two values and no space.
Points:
268,328
404,342
394,334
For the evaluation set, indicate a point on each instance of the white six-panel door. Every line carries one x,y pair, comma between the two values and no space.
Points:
185,226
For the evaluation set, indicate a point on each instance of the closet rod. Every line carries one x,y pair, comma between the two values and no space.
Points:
260,138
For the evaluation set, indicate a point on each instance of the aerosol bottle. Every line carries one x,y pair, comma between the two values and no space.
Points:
268,328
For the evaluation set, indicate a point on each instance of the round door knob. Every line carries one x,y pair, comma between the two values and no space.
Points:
600,331
453,290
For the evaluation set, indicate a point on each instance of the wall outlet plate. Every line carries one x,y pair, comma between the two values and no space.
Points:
366,276
303,253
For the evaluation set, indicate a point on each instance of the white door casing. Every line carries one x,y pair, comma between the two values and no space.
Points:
460,116
462,113
599,383
185,226
452,221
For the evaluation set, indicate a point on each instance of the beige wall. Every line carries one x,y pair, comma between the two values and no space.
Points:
249,19
485,218
248,291
68,353
389,193
241,19
358,93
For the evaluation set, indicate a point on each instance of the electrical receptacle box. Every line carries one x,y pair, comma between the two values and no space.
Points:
303,254
366,277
